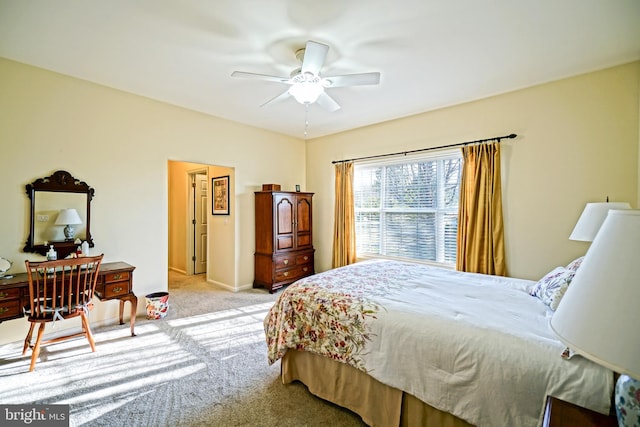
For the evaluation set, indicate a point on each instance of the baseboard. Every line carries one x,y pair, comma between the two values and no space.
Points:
230,288
222,285
246,287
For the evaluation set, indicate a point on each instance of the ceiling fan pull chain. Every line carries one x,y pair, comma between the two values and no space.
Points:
306,119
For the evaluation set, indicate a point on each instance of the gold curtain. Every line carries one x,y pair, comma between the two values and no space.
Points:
344,224
480,226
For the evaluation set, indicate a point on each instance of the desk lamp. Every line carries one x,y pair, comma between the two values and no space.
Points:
68,218
598,317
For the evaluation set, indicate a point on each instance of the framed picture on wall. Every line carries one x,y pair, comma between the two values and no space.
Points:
220,195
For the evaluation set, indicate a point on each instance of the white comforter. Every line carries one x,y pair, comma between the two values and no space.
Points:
474,345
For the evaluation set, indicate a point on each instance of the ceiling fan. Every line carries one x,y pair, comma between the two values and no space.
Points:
306,84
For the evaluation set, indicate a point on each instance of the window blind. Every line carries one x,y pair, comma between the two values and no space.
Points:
408,208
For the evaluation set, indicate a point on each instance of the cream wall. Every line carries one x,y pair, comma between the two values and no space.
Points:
577,143
120,144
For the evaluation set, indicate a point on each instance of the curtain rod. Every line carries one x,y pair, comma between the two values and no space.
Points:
478,141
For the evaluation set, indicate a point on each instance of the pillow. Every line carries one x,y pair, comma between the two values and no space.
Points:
575,264
551,288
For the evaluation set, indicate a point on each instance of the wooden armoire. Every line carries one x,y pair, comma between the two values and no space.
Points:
284,238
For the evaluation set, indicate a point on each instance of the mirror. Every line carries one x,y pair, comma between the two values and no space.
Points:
60,214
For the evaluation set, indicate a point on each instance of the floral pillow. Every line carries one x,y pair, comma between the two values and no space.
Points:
573,265
551,288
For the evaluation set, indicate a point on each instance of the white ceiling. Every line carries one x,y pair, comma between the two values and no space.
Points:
431,53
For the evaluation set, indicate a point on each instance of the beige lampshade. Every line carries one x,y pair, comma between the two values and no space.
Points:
592,218
68,217
598,317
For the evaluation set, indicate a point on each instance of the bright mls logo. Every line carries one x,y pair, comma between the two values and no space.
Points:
34,415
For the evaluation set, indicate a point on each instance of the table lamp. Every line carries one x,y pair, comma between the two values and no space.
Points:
68,218
592,218
598,316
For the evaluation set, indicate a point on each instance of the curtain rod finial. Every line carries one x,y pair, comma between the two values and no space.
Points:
513,135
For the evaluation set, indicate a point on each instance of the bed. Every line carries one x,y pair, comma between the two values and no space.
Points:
409,344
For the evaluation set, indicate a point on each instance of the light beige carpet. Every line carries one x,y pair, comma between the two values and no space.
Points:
204,364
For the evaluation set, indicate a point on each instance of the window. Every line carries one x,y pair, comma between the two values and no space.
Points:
408,208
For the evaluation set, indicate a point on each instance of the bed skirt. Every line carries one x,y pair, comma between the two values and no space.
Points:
377,404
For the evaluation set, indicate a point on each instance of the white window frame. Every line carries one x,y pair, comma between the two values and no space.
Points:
439,210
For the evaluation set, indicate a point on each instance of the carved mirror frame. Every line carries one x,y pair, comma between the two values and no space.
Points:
59,182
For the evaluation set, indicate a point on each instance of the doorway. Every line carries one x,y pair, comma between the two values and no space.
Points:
188,217
194,231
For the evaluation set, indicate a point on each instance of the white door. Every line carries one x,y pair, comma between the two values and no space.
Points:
200,223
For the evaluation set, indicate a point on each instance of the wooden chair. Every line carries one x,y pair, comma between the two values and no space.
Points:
60,290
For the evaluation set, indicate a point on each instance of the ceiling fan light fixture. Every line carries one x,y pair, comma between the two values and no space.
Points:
306,92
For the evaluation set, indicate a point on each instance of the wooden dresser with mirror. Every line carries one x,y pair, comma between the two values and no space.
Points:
49,197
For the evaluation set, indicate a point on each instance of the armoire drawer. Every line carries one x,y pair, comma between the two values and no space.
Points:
291,274
284,261
305,258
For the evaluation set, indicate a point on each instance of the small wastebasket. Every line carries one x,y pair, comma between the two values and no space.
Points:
157,305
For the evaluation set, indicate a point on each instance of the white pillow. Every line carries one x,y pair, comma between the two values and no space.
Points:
551,288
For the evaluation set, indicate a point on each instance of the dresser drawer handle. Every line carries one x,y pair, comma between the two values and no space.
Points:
306,257
3,310
4,294
118,289
285,274
117,276
305,269
285,262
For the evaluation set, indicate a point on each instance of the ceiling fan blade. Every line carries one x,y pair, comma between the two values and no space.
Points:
284,95
353,80
314,55
261,77
327,102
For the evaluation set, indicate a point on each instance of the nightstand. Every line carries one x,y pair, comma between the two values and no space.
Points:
558,413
